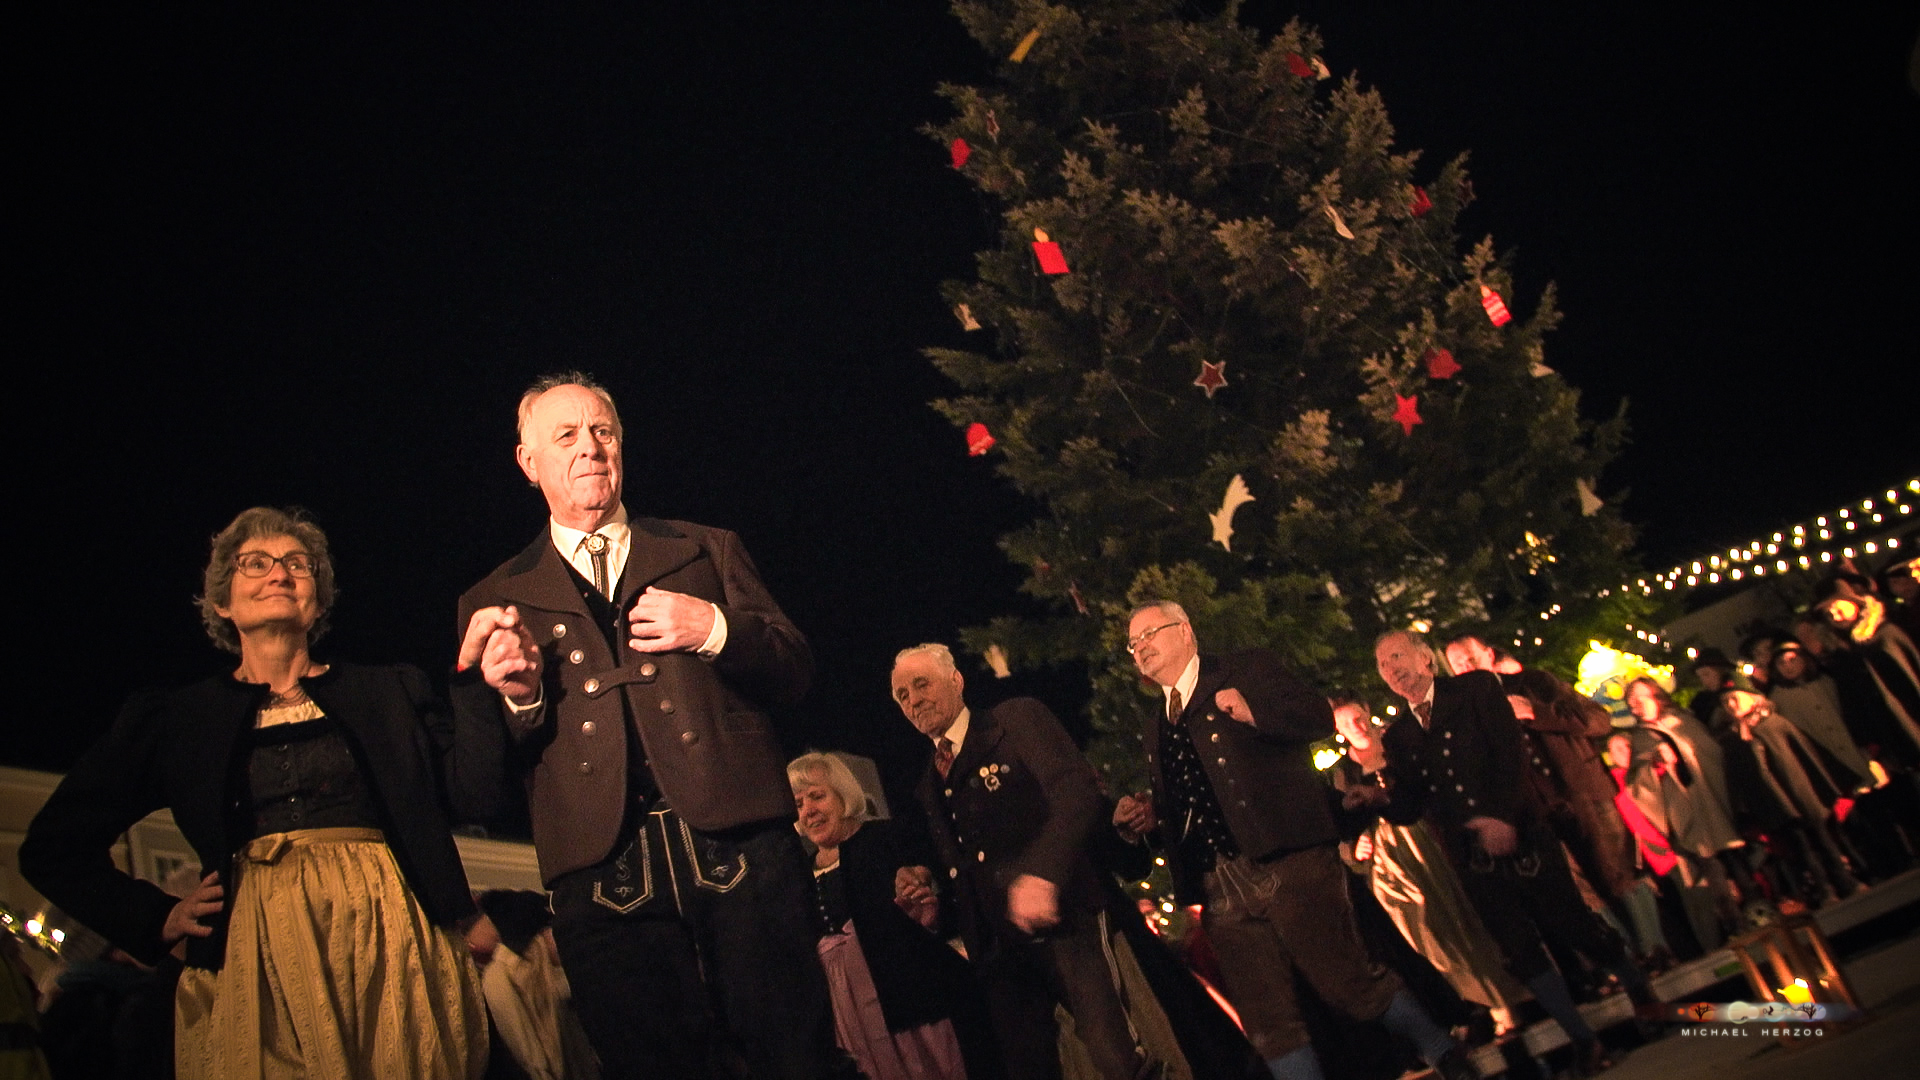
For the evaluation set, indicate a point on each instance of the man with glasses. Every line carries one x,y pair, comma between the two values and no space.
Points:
1247,826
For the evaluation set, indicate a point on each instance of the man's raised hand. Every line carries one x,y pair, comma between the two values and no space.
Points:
509,660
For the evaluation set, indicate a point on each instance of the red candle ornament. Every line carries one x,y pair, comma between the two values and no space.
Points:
1407,412
1420,204
1440,364
979,439
1052,259
1496,308
961,152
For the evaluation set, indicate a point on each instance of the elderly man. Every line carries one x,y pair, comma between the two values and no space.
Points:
1462,766
1248,829
622,670
1013,807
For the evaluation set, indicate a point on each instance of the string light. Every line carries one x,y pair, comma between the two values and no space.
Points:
1800,538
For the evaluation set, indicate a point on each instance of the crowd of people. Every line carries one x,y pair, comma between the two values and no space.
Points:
1490,843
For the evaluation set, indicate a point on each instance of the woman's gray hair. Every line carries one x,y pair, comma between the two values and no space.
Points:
254,524
827,769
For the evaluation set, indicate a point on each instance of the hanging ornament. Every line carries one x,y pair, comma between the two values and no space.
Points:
1021,50
1496,308
1590,503
1320,69
1339,223
993,126
979,439
965,315
1539,370
1222,519
1420,204
1073,590
961,152
1212,377
1406,412
1299,66
997,660
1440,364
1052,260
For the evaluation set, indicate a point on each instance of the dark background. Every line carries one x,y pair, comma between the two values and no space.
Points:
289,257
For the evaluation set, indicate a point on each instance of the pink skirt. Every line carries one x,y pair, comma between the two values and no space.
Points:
927,1052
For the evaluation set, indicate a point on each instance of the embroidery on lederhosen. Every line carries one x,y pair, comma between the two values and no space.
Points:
621,879
716,865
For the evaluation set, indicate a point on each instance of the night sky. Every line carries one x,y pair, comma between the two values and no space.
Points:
285,256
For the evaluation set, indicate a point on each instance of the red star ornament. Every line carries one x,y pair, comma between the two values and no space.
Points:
1420,204
1407,412
1212,377
961,152
979,439
1440,364
1497,311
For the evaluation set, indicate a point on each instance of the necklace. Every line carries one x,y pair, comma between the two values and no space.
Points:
292,695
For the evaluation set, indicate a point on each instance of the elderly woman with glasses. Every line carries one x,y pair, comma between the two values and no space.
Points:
321,940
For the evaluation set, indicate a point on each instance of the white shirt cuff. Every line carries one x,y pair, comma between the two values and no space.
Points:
717,637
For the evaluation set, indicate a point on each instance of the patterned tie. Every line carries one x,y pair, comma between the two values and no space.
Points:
943,755
1424,710
597,548
1174,707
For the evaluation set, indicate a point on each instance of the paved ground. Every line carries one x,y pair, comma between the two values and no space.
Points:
1886,1044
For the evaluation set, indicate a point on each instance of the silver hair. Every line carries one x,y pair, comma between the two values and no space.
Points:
942,656
553,382
1166,607
830,770
1419,642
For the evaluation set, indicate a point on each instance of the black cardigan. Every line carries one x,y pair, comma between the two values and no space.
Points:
183,749
919,978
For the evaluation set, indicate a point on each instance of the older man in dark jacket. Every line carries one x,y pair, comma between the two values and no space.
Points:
623,670
1462,765
1248,829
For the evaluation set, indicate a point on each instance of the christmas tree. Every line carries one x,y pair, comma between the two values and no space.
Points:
1233,348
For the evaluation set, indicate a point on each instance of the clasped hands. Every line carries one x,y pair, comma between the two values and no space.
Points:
497,639
1033,903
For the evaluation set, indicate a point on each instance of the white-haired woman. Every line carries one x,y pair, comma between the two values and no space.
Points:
904,1003
321,940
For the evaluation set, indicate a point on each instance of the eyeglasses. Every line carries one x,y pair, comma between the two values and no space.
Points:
1134,643
260,564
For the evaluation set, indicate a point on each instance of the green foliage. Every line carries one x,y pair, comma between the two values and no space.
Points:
1193,180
